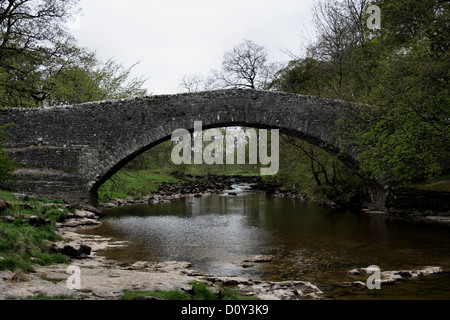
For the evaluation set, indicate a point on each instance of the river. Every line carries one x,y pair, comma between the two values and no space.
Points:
307,242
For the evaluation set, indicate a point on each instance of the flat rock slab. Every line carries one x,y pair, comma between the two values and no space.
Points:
392,277
97,283
259,259
288,290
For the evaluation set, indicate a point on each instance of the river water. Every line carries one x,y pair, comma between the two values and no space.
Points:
307,242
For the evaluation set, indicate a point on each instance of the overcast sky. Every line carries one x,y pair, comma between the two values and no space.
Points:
173,38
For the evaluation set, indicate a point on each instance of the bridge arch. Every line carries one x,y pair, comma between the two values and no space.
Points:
68,152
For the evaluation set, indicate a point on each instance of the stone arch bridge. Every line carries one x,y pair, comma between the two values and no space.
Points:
68,152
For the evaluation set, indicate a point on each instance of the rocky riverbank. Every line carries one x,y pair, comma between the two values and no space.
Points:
206,186
193,188
102,279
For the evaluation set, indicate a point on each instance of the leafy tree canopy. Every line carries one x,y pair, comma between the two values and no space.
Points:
397,76
41,64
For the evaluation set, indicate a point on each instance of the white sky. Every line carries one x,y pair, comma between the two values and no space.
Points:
173,38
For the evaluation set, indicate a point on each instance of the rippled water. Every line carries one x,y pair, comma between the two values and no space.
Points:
308,242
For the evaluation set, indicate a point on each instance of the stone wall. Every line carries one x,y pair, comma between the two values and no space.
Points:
68,152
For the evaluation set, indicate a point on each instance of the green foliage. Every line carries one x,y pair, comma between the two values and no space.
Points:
398,77
200,291
301,77
411,150
137,183
159,294
44,297
408,138
314,172
34,41
22,245
41,63
92,80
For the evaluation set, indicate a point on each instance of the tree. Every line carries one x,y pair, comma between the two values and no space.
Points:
115,81
245,66
33,42
192,83
406,138
301,76
42,65
397,77
92,80
313,169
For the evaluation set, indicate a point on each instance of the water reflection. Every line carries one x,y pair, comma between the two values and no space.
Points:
308,242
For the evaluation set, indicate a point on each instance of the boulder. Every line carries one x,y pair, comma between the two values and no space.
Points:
72,250
36,221
260,259
392,277
4,205
287,290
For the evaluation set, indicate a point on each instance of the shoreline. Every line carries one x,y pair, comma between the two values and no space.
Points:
206,186
103,279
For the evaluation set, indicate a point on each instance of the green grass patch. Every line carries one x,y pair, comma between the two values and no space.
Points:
135,184
14,262
442,186
158,294
52,280
23,245
44,297
222,170
200,291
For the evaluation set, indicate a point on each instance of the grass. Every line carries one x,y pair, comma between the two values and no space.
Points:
137,184
44,297
442,185
222,170
23,245
158,294
52,280
200,291
134,184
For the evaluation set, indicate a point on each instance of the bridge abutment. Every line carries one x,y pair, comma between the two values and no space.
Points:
53,185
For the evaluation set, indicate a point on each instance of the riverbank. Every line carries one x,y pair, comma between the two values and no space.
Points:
43,274
102,279
205,186
424,204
